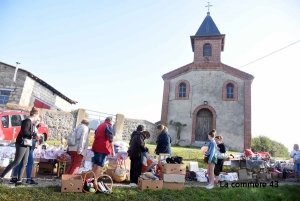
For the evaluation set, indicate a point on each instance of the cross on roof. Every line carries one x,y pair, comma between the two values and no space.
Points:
208,5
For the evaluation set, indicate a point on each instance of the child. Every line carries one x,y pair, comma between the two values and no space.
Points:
212,160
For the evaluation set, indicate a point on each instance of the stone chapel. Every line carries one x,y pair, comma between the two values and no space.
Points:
207,94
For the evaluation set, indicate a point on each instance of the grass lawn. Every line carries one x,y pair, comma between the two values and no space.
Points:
285,192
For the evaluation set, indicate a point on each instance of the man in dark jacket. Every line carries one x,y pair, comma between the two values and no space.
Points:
137,145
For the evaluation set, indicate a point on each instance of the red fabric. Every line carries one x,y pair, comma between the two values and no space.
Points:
101,143
248,152
75,164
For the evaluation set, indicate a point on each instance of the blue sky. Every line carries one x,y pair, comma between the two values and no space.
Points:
110,55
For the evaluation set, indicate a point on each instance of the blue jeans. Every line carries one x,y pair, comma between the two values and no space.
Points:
297,168
99,159
29,163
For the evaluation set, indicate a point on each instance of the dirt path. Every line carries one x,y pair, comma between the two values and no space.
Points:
42,182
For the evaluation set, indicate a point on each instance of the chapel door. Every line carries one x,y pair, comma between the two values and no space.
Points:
204,124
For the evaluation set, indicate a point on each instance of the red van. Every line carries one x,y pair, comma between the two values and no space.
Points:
10,124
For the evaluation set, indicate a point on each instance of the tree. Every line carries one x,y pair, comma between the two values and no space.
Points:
263,143
178,126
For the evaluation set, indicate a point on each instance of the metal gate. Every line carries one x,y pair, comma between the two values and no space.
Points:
96,118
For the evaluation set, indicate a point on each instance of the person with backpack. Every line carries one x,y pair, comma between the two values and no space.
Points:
163,141
78,142
295,154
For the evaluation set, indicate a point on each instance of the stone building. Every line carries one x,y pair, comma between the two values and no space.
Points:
29,90
207,94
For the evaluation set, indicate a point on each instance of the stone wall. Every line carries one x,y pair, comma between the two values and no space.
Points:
130,125
59,123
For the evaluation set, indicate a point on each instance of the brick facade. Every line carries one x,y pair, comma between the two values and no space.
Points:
216,47
165,102
247,118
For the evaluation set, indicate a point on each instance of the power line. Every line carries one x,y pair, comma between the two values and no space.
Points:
269,54
250,62
238,68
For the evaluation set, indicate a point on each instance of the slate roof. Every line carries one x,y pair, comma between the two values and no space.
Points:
43,83
207,28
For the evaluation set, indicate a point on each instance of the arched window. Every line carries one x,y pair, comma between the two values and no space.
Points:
207,50
229,91
182,90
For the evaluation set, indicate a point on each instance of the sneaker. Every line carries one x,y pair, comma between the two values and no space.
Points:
209,186
31,182
13,180
19,183
133,184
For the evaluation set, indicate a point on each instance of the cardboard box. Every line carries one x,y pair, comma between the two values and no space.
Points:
33,172
173,168
243,174
177,178
46,168
262,176
71,183
150,184
162,157
173,186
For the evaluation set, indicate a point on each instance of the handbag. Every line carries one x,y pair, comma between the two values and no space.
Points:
26,141
221,155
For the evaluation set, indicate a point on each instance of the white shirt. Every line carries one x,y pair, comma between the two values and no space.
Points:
294,152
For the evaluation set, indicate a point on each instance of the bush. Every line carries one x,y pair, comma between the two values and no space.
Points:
276,149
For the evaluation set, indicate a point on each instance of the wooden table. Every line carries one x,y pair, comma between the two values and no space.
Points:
63,164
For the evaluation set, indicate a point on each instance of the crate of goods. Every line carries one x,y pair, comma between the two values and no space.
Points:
71,183
170,168
162,157
46,168
144,184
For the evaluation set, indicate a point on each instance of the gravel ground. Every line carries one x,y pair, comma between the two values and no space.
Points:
54,181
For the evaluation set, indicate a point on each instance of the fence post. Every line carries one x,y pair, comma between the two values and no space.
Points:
80,116
119,124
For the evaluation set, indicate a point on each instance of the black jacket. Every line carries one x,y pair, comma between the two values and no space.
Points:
27,131
137,145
